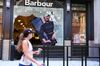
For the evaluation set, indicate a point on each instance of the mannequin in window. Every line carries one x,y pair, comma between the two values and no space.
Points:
48,29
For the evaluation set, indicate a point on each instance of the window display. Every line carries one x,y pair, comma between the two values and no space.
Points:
79,25
47,23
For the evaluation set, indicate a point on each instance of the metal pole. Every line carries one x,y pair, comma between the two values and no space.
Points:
86,51
47,55
44,55
82,55
64,55
99,56
67,55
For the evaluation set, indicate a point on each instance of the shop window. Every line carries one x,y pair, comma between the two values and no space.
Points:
25,15
1,11
1,7
0,27
78,24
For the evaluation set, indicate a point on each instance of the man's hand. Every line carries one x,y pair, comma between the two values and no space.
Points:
48,41
53,36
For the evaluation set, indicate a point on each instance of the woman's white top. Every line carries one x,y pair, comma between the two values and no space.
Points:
24,60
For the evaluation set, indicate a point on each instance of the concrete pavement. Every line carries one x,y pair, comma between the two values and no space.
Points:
51,63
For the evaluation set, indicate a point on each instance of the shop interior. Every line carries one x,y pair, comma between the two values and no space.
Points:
22,22
78,24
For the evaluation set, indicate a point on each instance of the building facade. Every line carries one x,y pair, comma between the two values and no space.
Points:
79,19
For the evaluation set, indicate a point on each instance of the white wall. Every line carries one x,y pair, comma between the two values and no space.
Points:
94,52
96,21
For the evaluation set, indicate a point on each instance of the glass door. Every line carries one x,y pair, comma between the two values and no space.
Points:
78,29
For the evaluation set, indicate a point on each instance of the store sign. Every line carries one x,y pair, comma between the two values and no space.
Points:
38,3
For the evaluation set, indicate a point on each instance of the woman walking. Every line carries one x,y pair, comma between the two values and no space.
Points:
25,47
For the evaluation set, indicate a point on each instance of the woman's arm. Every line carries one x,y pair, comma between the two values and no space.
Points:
27,54
54,35
35,52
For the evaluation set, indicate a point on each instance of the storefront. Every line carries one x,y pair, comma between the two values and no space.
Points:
73,21
32,14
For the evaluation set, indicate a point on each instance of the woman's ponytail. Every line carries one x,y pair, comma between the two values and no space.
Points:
19,45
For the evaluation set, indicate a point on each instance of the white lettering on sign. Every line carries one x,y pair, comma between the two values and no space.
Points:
38,3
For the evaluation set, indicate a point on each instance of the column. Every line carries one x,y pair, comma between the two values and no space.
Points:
96,27
67,27
7,26
97,21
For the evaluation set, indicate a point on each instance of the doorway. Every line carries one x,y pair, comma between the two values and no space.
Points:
78,29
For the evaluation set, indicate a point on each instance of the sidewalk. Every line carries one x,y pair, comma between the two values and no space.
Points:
51,63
